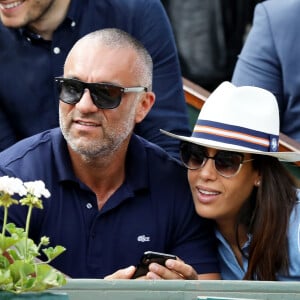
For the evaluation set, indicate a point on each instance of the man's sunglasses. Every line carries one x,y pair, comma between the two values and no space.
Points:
226,163
104,95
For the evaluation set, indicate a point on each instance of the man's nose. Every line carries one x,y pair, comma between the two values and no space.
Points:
86,103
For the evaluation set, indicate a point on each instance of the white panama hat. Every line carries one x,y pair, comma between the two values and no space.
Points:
241,119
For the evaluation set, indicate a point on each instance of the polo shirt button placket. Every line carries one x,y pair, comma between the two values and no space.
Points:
73,24
89,205
56,50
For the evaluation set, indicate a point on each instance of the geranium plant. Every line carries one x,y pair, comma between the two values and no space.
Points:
20,268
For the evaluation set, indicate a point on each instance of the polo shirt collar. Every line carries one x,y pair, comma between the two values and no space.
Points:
75,10
73,15
61,157
137,163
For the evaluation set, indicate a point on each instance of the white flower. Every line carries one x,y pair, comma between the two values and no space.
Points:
11,185
37,188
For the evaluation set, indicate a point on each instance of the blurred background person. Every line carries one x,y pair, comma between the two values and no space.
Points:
270,59
209,36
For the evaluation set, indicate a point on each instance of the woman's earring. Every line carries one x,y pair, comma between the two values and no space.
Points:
257,182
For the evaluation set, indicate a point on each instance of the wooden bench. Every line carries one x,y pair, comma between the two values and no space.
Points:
195,97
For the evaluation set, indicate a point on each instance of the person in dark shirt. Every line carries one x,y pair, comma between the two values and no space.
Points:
35,37
114,195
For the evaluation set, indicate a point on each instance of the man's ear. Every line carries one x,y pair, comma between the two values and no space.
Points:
144,106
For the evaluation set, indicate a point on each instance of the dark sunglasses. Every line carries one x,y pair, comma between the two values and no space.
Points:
226,163
104,95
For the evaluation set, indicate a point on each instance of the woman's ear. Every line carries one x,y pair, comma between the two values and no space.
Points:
257,181
145,104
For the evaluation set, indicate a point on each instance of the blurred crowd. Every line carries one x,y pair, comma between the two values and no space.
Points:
209,36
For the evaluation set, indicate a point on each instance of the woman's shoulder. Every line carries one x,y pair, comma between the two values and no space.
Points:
294,243
298,197
295,215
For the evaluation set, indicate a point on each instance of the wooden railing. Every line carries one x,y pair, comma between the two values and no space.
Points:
100,289
195,96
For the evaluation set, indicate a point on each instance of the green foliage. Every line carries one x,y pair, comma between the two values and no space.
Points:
20,268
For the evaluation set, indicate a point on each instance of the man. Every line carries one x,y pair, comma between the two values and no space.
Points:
114,194
35,37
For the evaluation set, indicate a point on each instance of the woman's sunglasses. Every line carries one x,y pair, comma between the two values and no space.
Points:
227,163
104,95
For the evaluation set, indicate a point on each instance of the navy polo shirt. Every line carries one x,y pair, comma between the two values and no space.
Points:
28,98
152,210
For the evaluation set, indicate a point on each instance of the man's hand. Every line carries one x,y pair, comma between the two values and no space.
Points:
174,269
126,273
178,269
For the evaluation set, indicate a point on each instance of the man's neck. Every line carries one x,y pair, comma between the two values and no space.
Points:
103,175
48,23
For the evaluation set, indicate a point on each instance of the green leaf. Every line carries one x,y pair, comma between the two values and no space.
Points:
13,230
15,255
52,253
4,263
48,277
20,269
26,249
5,277
22,275
6,242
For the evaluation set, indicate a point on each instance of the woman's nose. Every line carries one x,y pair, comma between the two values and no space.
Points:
208,171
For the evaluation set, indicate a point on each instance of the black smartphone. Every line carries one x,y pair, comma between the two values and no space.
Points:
148,258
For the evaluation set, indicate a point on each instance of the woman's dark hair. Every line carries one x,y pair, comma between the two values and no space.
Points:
266,215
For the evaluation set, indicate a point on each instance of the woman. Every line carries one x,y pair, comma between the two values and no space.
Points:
237,179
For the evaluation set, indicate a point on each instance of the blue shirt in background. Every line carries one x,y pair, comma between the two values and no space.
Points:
270,59
152,209
28,99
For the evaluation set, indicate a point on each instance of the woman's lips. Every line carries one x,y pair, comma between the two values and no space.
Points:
206,195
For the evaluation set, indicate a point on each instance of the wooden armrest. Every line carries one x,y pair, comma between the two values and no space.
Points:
194,94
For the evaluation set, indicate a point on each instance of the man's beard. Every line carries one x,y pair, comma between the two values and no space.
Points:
105,147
